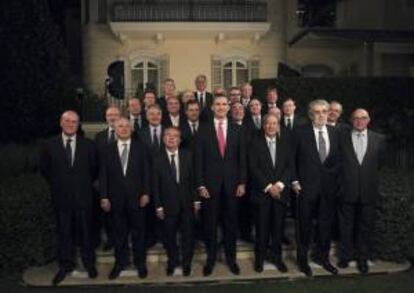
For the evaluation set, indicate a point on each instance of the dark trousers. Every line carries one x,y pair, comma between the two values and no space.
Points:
220,208
183,223
270,215
245,217
129,221
356,225
323,209
75,226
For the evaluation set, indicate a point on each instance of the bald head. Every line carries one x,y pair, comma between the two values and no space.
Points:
69,122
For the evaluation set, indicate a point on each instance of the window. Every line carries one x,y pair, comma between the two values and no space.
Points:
233,71
144,74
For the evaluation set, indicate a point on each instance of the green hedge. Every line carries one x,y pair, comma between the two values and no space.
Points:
27,235
394,231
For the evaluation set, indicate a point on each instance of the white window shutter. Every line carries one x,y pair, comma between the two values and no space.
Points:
216,73
254,69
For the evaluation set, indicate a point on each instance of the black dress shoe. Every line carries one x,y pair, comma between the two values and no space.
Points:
234,268
258,266
92,273
116,271
280,265
329,267
343,264
208,269
362,266
186,271
108,246
60,276
170,270
305,268
142,272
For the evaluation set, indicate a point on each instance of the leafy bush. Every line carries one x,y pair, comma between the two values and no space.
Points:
27,235
394,231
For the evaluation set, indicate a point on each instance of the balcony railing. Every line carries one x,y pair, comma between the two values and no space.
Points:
180,12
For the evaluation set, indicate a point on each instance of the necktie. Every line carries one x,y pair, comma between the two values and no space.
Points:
136,124
173,167
155,141
69,151
194,129
201,100
124,157
257,122
111,136
360,147
221,139
289,123
272,150
322,147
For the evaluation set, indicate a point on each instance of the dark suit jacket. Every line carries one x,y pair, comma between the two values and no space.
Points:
261,168
101,141
211,169
188,140
145,137
205,113
123,189
298,121
162,101
167,193
359,183
166,120
314,176
71,187
144,122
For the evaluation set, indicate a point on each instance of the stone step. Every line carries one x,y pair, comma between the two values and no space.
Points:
42,276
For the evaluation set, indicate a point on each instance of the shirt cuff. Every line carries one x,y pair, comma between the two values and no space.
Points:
160,208
295,182
267,188
281,185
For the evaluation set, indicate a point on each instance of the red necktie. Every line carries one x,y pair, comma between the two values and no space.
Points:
221,139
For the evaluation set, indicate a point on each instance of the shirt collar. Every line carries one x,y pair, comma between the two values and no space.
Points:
216,121
122,142
270,139
323,129
169,153
65,137
363,133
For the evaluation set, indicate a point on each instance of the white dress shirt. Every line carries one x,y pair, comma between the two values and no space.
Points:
72,144
279,183
224,126
176,161
190,123
120,144
158,132
175,120
355,141
324,135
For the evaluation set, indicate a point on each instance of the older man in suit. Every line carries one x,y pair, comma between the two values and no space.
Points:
175,199
68,162
124,187
203,97
136,116
270,165
363,156
220,170
102,139
315,181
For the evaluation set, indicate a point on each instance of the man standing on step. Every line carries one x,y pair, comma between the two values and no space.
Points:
270,167
315,181
124,183
175,199
363,156
220,168
68,162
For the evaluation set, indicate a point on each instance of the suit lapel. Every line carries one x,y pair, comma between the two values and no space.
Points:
229,137
370,146
312,141
117,159
350,146
213,135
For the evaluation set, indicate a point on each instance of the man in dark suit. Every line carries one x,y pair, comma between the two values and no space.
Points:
168,87
175,199
270,167
151,137
290,120
240,116
334,116
174,115
220,170
124,184
102,139
316,164
203,97
246,94
363,156
68,162
135,115
270,100
254,116
190,127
